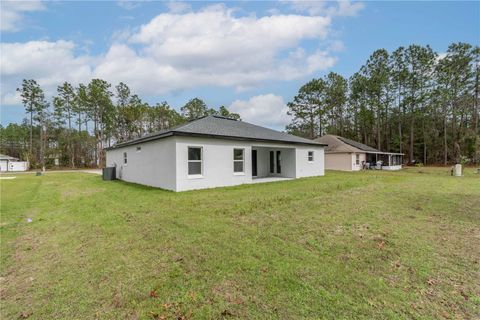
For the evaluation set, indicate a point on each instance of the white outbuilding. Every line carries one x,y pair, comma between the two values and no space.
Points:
215,151
8,163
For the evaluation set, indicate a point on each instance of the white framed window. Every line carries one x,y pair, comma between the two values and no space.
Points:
125,158
357,159
195,155
139,148
310,156
238,161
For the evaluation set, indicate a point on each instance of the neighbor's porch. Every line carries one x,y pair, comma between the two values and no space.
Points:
384,161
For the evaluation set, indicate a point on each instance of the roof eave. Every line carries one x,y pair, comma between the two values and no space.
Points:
140,140
189,134
381,152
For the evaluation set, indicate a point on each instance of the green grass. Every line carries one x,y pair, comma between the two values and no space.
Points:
385,245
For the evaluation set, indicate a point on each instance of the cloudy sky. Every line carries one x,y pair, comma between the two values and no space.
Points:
249,56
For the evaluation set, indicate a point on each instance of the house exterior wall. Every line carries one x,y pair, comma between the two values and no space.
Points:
8,165
217,163
3,165
17,166
263,162
153,165
338,161
163,163
344,161
305,168
355,166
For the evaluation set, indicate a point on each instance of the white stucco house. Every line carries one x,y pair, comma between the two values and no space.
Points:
215,151
349,155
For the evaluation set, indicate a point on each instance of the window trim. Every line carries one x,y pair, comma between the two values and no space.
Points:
196,175
357,159
240,173
313,156
125,158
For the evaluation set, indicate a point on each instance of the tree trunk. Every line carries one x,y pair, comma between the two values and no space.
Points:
70,142
400,119
424,142
95,133
42,147
454,133
379,144
31,132
412,123
475,118
445,145
312,124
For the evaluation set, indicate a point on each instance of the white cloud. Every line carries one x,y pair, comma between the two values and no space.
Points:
344,8
128,4
336,46
214,47
12,98
178,7
50,63
265,110
12,13
178,51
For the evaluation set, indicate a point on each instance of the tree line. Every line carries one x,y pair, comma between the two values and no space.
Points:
412,100
78,123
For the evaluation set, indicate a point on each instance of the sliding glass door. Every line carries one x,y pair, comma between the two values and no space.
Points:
275,162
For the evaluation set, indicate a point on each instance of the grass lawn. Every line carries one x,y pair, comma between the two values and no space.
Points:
383,245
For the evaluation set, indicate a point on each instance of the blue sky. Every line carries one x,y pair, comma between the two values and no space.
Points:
249,56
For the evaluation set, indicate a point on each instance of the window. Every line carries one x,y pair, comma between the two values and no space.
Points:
357,159
194,160
238,160
310,156
139,148
124,158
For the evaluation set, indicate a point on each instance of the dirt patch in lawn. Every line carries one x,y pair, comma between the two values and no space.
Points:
74,193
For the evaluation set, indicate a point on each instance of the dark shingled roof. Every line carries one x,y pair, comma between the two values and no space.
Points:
222,127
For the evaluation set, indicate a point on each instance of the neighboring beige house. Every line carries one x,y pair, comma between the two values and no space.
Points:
348,155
